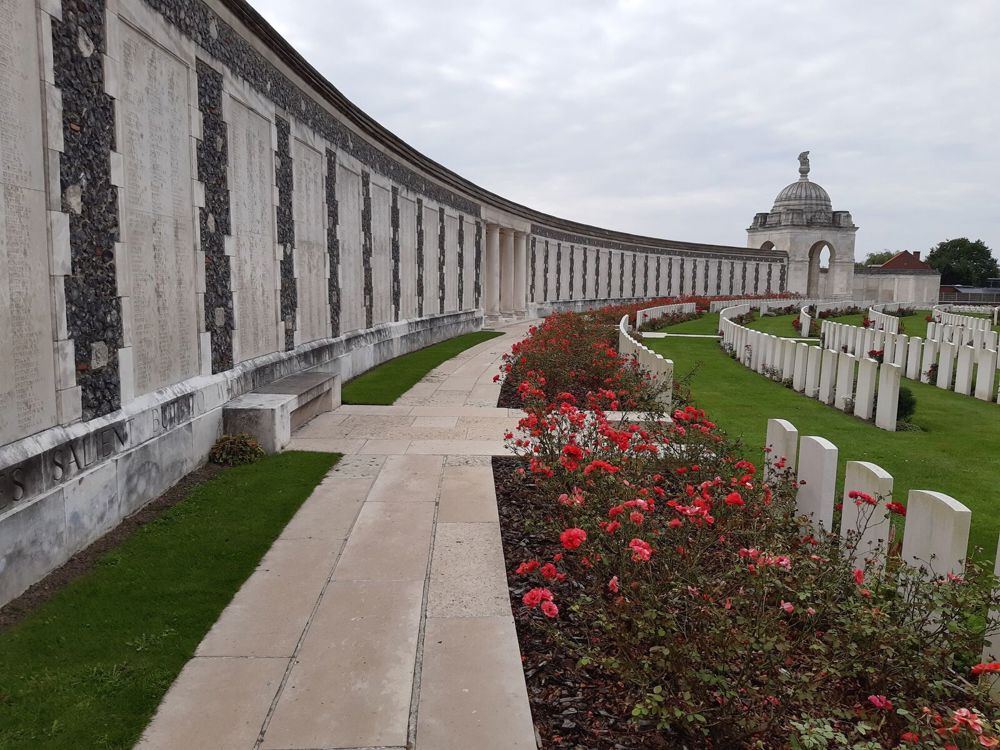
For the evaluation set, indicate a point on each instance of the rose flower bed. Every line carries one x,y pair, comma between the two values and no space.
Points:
576,355
667,597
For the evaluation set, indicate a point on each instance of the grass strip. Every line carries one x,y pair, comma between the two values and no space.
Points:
390,380
89,667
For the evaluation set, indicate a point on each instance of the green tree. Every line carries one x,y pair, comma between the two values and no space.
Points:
962,261
877,259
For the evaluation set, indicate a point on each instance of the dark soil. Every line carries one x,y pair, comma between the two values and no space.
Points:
509,398
82,562
573,707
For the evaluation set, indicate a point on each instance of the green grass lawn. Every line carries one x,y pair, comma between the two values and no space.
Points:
89,667
707,323
957,453
913,325
390,380
778,325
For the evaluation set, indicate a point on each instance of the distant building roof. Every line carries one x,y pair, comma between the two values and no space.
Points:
906,261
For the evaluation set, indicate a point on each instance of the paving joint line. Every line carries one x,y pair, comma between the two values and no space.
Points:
309,620
418,661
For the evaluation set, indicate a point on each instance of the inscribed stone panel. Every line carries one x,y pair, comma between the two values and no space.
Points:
430,260
451,262
381,254
311,260
27,371
352,283
252,201
158,211
407,258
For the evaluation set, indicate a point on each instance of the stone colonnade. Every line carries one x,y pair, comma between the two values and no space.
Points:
506,267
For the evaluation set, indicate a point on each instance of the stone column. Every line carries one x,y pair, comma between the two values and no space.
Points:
491,271
506,270
520,271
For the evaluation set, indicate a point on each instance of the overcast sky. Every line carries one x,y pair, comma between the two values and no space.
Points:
682,119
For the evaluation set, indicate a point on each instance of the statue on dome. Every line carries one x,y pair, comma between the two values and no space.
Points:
804,165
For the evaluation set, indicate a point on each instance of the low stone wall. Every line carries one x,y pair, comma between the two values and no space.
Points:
65,487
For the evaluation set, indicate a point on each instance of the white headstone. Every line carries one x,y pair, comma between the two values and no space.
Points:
946,365
900,349
867,526
928,359
986,368
799,368
828,376
937,533
812,371
817,480
781,447
888,396
789,348
864,394
845,380
963,370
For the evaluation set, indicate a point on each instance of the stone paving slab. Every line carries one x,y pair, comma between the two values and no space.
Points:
384,600
472,690
266,616
351,682
215,702
468,495
468,577
389,542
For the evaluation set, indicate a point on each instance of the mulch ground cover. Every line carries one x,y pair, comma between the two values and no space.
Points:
573,707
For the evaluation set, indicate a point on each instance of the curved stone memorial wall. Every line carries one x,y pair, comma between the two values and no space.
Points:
190,211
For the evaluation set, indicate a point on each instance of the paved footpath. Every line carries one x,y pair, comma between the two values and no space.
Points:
380,616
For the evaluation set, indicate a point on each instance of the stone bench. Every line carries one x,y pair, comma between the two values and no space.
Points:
273,412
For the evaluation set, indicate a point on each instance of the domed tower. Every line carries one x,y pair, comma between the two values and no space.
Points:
803,224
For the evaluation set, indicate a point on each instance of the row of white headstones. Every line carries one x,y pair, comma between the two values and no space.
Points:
655,364
966,360
849,382
936,533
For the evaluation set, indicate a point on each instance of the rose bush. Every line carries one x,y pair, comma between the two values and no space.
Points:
676,570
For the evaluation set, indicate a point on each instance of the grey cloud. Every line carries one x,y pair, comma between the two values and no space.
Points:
682,119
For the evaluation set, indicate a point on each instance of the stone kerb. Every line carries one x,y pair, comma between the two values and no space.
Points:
937,532
817,461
